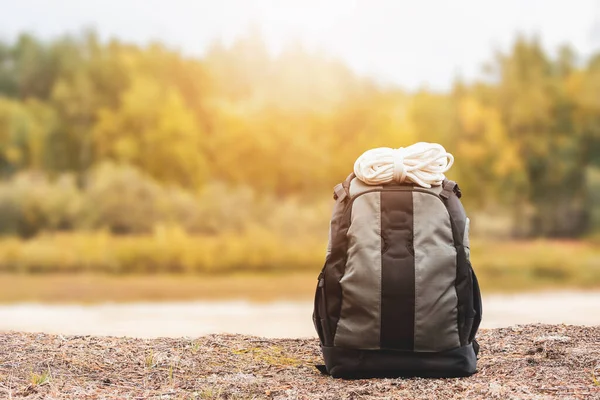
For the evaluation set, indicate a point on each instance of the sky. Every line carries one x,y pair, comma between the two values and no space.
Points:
414,44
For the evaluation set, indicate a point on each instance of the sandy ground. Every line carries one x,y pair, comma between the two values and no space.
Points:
278,319
527,362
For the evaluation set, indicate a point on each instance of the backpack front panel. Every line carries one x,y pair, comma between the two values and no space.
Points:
359,324
398,284
436,313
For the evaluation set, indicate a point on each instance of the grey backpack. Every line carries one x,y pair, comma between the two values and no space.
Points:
397,295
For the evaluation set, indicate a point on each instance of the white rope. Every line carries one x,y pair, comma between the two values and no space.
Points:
422,163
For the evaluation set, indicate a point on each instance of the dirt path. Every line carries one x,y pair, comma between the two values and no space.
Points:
277,319
525,362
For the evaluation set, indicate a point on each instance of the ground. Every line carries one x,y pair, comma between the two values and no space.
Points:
524,362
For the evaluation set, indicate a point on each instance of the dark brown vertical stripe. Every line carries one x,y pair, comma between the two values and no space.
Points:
397,271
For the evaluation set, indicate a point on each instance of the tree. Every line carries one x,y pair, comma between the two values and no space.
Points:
155,131
24,129
539,118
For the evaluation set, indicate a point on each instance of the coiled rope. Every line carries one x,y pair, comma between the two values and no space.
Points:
422,163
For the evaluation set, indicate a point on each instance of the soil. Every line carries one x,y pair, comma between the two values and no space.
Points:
522,362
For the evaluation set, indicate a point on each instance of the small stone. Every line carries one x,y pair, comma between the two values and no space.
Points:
531,361
495,388
552,338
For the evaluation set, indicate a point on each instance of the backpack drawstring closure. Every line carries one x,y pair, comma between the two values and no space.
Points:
399,168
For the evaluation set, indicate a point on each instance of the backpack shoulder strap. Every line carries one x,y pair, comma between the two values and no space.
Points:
477,306
335,262
451,195
464,276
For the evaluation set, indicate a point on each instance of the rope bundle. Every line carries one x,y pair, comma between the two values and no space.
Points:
422,163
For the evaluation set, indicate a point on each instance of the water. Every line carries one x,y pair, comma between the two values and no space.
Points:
275,319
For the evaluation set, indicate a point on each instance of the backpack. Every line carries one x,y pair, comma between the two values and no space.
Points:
397,295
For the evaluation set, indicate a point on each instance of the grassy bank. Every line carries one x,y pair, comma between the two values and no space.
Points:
166,251
552,362
89,288
523,265
175,266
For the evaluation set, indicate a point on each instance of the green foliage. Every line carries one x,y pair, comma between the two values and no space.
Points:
24,131
170,148
31,203
593,183
121,199
196,140
40,379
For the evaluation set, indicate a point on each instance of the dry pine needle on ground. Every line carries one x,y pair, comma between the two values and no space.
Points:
524,362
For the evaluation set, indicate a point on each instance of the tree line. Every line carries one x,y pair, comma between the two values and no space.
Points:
526,136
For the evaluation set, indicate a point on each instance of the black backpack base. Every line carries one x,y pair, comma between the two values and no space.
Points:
358,364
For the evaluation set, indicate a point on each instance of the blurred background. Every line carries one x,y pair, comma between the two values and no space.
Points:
185,152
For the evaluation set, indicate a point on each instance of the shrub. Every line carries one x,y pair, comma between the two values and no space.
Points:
122,200
31,203
167,250
509,265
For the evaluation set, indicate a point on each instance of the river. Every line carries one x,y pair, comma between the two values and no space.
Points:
274,319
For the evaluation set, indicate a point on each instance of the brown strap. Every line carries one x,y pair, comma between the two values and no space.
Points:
339,192
342,190
346,183
450,187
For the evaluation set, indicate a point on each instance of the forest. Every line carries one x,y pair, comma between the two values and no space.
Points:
109,142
